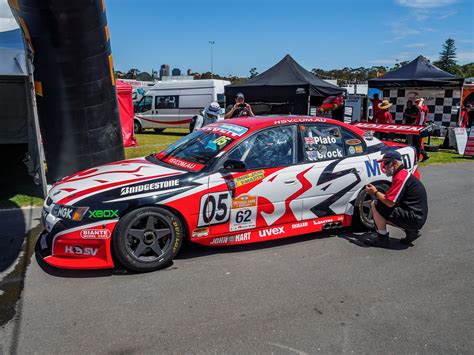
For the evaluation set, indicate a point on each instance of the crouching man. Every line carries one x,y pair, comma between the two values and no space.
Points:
404,205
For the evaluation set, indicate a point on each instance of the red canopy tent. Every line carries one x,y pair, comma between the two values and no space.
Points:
124,96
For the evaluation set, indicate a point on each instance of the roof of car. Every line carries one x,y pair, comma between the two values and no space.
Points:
275,120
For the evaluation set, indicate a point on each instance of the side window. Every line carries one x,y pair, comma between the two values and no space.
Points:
269,148
322,142
353,143
145,104
166,102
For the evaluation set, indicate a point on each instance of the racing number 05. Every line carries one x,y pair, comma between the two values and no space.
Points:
214,208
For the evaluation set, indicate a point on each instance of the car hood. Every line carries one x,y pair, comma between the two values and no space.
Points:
89,182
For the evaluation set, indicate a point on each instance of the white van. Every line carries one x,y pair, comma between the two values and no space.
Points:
173,104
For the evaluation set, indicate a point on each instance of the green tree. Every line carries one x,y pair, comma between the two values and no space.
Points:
447,57
253,72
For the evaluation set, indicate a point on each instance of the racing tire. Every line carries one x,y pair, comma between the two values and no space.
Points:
158,130
137,127
362,218
147,239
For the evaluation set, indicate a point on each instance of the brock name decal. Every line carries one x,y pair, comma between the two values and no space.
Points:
154,186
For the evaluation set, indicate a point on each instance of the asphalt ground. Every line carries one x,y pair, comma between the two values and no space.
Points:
321,293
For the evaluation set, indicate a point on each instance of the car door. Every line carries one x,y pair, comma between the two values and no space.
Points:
335,159
166,111
144,111
264,193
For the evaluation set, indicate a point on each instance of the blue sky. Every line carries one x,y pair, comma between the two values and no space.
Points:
258,33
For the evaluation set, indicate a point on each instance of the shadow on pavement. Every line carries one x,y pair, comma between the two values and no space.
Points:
359,238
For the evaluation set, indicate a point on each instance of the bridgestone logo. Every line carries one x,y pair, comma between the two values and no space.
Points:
160,185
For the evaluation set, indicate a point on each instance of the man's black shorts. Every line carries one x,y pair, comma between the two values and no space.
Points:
398,216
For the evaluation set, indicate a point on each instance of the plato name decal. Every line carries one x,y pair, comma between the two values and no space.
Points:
271,231
154,186
95,234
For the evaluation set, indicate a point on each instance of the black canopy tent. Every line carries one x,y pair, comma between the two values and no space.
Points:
418,73
286,81
19,138
419,78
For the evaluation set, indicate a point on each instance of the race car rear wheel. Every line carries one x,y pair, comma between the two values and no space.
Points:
362,210
147,239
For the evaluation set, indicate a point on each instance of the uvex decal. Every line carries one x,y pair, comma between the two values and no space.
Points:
271,231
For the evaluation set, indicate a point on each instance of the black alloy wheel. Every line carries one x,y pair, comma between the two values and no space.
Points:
147,239
362,210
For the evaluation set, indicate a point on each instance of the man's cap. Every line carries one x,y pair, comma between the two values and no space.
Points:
391,155
239,95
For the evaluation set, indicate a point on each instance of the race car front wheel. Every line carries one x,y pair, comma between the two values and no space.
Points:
362,211
147,239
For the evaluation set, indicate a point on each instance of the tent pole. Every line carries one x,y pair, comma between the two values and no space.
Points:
309,105
39,145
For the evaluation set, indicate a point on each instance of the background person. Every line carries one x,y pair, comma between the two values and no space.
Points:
405,205
375,106
421,119
383,116
239,109
212,113
410,113
464,121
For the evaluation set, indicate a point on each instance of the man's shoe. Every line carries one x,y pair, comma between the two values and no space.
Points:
379,241
425,158
410,237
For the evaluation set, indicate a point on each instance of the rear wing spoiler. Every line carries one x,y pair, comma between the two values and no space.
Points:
422,131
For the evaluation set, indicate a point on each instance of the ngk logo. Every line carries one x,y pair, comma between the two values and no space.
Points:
65,212
78,250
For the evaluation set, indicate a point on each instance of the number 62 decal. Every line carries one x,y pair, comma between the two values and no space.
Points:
214,208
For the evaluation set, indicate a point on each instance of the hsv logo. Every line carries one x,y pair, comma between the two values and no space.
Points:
95,234
78,250
271,231
64,212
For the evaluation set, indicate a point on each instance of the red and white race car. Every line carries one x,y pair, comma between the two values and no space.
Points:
238,181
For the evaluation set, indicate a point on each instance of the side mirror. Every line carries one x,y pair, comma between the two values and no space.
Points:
234,165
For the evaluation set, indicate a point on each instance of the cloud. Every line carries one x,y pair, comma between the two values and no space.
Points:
447,14
425,4
7,22
465,57
416,45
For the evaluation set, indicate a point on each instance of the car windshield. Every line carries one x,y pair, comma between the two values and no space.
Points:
195,150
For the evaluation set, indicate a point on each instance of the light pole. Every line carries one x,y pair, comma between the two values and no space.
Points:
211,43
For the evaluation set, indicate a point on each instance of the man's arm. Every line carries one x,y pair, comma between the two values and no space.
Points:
372,190
249,108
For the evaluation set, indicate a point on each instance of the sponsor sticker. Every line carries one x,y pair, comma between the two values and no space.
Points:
299,225
352,150
200,232
244,201
154,186
78,250
103,214
271,231
227,129
95,234
249,178
353,141
242,237
358,149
